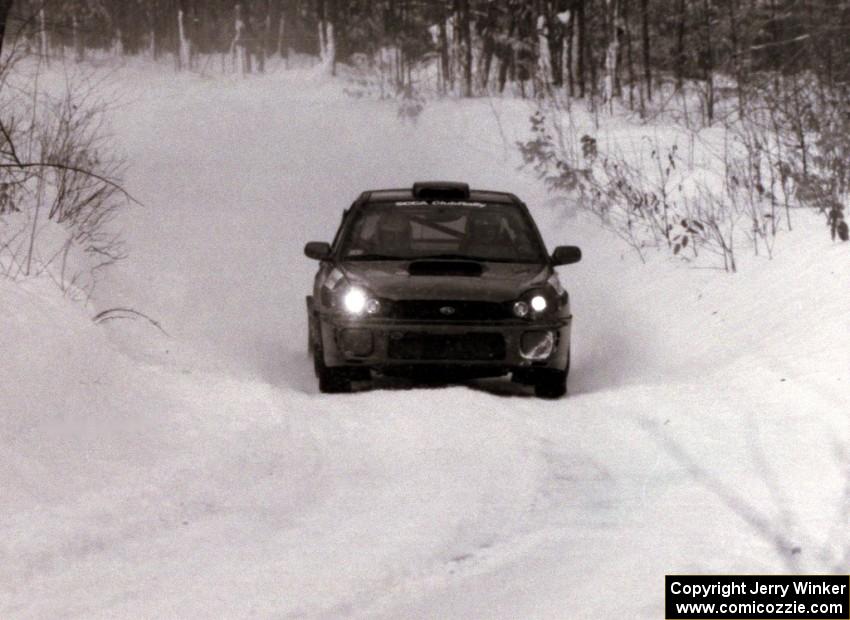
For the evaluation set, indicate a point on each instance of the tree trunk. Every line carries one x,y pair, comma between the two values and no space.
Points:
184,52
448,78
42,19
466,35
118,46
292,33
489,45
582,46
153,40
629,60
570,57
330,34
79,48
282,48
505,64
505,50
330,46
556,44
327,41
680,47
5,6
323,45
265,37
612,50
543,67
736,57
526,56
239,46
647,66
275,30
455,49
708,64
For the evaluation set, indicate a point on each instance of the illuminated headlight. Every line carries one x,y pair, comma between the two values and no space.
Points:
356,301
531,306
521,309
538,303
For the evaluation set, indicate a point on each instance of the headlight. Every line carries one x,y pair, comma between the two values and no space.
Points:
534,304
354,301
357,301
538,303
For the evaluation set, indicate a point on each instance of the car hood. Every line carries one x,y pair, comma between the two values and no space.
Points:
497,281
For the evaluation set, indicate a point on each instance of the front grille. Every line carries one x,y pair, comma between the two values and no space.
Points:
472,346
437,310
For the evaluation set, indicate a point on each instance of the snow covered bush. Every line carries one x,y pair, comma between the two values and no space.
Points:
58,187
733,187
657,201
811,122
796,131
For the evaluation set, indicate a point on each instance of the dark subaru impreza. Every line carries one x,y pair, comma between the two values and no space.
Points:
439,278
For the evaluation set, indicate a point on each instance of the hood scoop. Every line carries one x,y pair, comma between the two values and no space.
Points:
468,268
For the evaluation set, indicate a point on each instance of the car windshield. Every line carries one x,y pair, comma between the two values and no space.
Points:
464,230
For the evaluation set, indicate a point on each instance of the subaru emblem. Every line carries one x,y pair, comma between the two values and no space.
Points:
447,310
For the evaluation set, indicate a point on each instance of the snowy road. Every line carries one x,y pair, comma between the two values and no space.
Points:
202,475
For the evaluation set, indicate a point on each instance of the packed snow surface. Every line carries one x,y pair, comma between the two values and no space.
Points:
199,473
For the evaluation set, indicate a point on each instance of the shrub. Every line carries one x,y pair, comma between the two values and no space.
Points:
59,189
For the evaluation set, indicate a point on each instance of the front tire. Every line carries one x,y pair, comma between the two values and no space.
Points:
551,382
331,380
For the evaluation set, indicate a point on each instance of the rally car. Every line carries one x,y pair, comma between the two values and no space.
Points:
439,277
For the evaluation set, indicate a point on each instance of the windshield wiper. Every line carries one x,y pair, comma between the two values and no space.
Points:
477,259
450,257
374,257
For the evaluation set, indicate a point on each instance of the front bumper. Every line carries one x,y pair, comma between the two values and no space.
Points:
379,343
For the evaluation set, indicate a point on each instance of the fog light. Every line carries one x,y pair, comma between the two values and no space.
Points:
537,345
356,342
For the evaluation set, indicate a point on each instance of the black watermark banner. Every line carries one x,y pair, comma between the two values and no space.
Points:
694,597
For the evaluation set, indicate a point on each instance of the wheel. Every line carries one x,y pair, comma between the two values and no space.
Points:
551,382
331,380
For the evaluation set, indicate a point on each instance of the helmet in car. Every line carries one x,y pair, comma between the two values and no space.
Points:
394,233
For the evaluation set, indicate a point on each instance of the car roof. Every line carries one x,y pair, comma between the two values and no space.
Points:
408,194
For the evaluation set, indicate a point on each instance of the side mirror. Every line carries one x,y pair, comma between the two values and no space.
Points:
566,255
318,250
